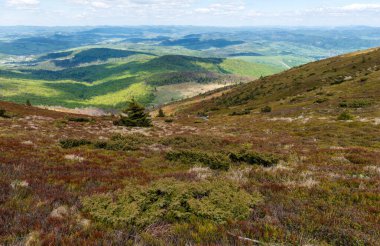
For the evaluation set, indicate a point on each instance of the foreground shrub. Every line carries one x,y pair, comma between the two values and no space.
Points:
192,141
169,120
213,161
355,104
136,116
171,201
345,116
244,112
254,158
73,143
161,113
321,100
2,113
124,143
266,109
79,119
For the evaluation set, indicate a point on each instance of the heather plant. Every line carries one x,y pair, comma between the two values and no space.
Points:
345,116
79,119
266,109
124,143
254,158
211,160
134,116
171,201
192,141
355,104
73,143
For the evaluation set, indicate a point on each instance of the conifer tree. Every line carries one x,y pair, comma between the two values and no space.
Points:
135,116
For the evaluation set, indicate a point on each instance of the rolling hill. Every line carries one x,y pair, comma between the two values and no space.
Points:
107,78
347,82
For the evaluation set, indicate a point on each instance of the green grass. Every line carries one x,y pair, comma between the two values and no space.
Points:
244,68
278,62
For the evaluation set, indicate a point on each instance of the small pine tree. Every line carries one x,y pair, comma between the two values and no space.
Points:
161,113
136,116
28,103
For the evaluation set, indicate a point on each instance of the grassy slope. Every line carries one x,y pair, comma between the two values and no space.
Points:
324,191
298,90
111,84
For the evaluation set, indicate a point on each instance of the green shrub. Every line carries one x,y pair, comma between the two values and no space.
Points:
79,119
119,142
73,143
213,161
161,113
254,158
321,100
266,109
193,141
2,113
171,201
244,112
345,116
355,104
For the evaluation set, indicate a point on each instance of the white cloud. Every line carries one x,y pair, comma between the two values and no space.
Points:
101,5
223,8
23,3
362,7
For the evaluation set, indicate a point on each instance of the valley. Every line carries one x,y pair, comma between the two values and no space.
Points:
104,67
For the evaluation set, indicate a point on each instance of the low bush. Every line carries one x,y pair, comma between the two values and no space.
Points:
356,104
321,100
266,109
253,158
244,112
73,143
161,113
2,113
79,119
213,161
171,201
345,116
193,141
119,142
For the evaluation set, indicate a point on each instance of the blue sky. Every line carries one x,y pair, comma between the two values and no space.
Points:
190,12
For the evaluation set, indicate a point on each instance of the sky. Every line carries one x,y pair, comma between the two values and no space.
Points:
190,12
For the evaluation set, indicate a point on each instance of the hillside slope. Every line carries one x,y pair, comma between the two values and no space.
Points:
324,88
215,171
